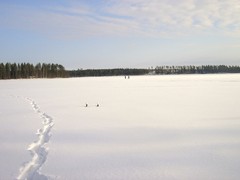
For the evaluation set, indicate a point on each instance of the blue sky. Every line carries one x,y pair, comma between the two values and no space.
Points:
120,33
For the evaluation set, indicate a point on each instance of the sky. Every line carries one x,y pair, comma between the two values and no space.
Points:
120,33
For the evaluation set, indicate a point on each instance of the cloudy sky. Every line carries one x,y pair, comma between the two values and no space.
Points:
120,33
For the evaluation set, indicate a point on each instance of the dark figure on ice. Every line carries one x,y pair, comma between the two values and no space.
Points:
86,105
97,105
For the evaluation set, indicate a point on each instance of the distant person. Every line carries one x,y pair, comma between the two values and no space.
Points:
86,105
97,105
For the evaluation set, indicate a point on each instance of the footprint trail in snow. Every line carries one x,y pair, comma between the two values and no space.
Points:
38,149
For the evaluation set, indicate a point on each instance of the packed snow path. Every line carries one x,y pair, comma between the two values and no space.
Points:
38,149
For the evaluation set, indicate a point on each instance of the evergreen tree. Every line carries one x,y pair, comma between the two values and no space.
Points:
8,71
27,70
2,71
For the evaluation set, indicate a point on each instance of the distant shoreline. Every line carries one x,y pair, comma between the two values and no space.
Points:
43,70
159,70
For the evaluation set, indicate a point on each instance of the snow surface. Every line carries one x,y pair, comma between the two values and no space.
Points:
39,152
147,127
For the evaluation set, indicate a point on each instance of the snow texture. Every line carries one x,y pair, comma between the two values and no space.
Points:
38,149
177,127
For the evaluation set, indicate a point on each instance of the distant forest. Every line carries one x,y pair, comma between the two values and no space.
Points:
27,70
43,70
107,72
206,69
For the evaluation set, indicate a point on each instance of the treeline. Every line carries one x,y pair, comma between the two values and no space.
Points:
107,72
43,70
27,70
205,69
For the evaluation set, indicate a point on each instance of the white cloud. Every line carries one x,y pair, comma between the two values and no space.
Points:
158,18
183,15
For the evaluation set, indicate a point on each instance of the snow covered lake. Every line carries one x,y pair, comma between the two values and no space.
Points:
146,127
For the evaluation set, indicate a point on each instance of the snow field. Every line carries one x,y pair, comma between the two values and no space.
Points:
147,127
